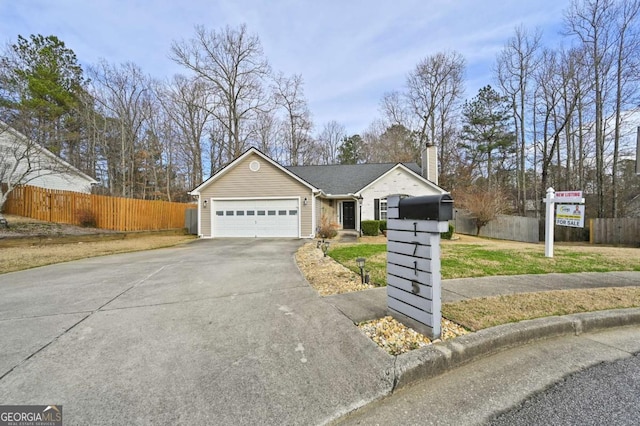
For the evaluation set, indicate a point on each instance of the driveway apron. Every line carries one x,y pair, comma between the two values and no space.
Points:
211,332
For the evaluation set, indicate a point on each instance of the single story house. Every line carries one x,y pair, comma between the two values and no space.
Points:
24,162
254,196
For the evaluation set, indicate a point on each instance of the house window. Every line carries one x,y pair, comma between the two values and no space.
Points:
282,212
383,209
293,212
251,213
240,213
380,209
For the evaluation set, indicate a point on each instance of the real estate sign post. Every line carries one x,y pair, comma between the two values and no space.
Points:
570,212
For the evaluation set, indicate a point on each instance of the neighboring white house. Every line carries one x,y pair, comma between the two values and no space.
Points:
23,161
254,196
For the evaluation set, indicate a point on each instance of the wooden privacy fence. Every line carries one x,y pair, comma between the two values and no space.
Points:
615,231
625,231
114,213
515,228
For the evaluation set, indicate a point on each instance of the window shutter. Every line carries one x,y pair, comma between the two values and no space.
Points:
376,209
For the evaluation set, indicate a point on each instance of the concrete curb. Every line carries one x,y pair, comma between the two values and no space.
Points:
441,357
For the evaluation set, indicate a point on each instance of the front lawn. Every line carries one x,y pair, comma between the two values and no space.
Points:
475,257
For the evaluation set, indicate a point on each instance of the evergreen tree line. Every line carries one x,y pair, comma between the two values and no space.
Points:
561,116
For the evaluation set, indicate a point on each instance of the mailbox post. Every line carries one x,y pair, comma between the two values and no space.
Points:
414,290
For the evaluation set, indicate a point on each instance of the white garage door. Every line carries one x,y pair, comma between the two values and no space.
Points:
255,218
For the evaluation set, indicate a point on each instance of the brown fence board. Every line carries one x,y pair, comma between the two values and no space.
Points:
616,231
114,213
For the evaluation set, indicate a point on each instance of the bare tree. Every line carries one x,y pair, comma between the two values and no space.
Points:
395,109
428,109
514,68
330,139
371,141
627,63
434,90
557,103
395,144
232,65
483,205
185,101
591,22
266,134
296,125
123,96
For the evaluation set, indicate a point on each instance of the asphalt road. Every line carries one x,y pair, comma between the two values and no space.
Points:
608,393
211,332
476,393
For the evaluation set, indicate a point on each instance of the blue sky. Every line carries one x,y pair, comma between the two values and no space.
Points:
349,52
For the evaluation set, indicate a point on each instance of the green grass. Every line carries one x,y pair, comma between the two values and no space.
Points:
474,260
375,255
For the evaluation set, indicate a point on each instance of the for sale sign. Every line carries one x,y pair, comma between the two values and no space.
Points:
570,215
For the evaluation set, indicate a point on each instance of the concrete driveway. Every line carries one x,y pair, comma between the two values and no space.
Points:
211,332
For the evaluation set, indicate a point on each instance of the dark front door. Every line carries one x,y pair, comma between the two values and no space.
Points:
349,215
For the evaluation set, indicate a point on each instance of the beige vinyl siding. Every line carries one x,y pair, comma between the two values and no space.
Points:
328,212
269,181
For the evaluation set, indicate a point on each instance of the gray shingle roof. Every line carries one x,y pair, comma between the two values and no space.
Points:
345,178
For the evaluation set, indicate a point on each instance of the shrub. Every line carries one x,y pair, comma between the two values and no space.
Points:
370,227
86,218
449,234
327,229
383,225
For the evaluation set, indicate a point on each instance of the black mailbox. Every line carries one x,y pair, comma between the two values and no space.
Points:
427,207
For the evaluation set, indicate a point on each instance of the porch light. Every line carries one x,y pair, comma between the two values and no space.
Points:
360,262
305,201
204,204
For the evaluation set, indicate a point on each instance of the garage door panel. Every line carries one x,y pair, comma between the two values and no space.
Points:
256,218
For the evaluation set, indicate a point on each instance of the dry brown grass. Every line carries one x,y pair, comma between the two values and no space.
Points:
476,314
19,258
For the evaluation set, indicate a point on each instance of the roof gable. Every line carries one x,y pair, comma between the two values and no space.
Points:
401,166
64,166
239,160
